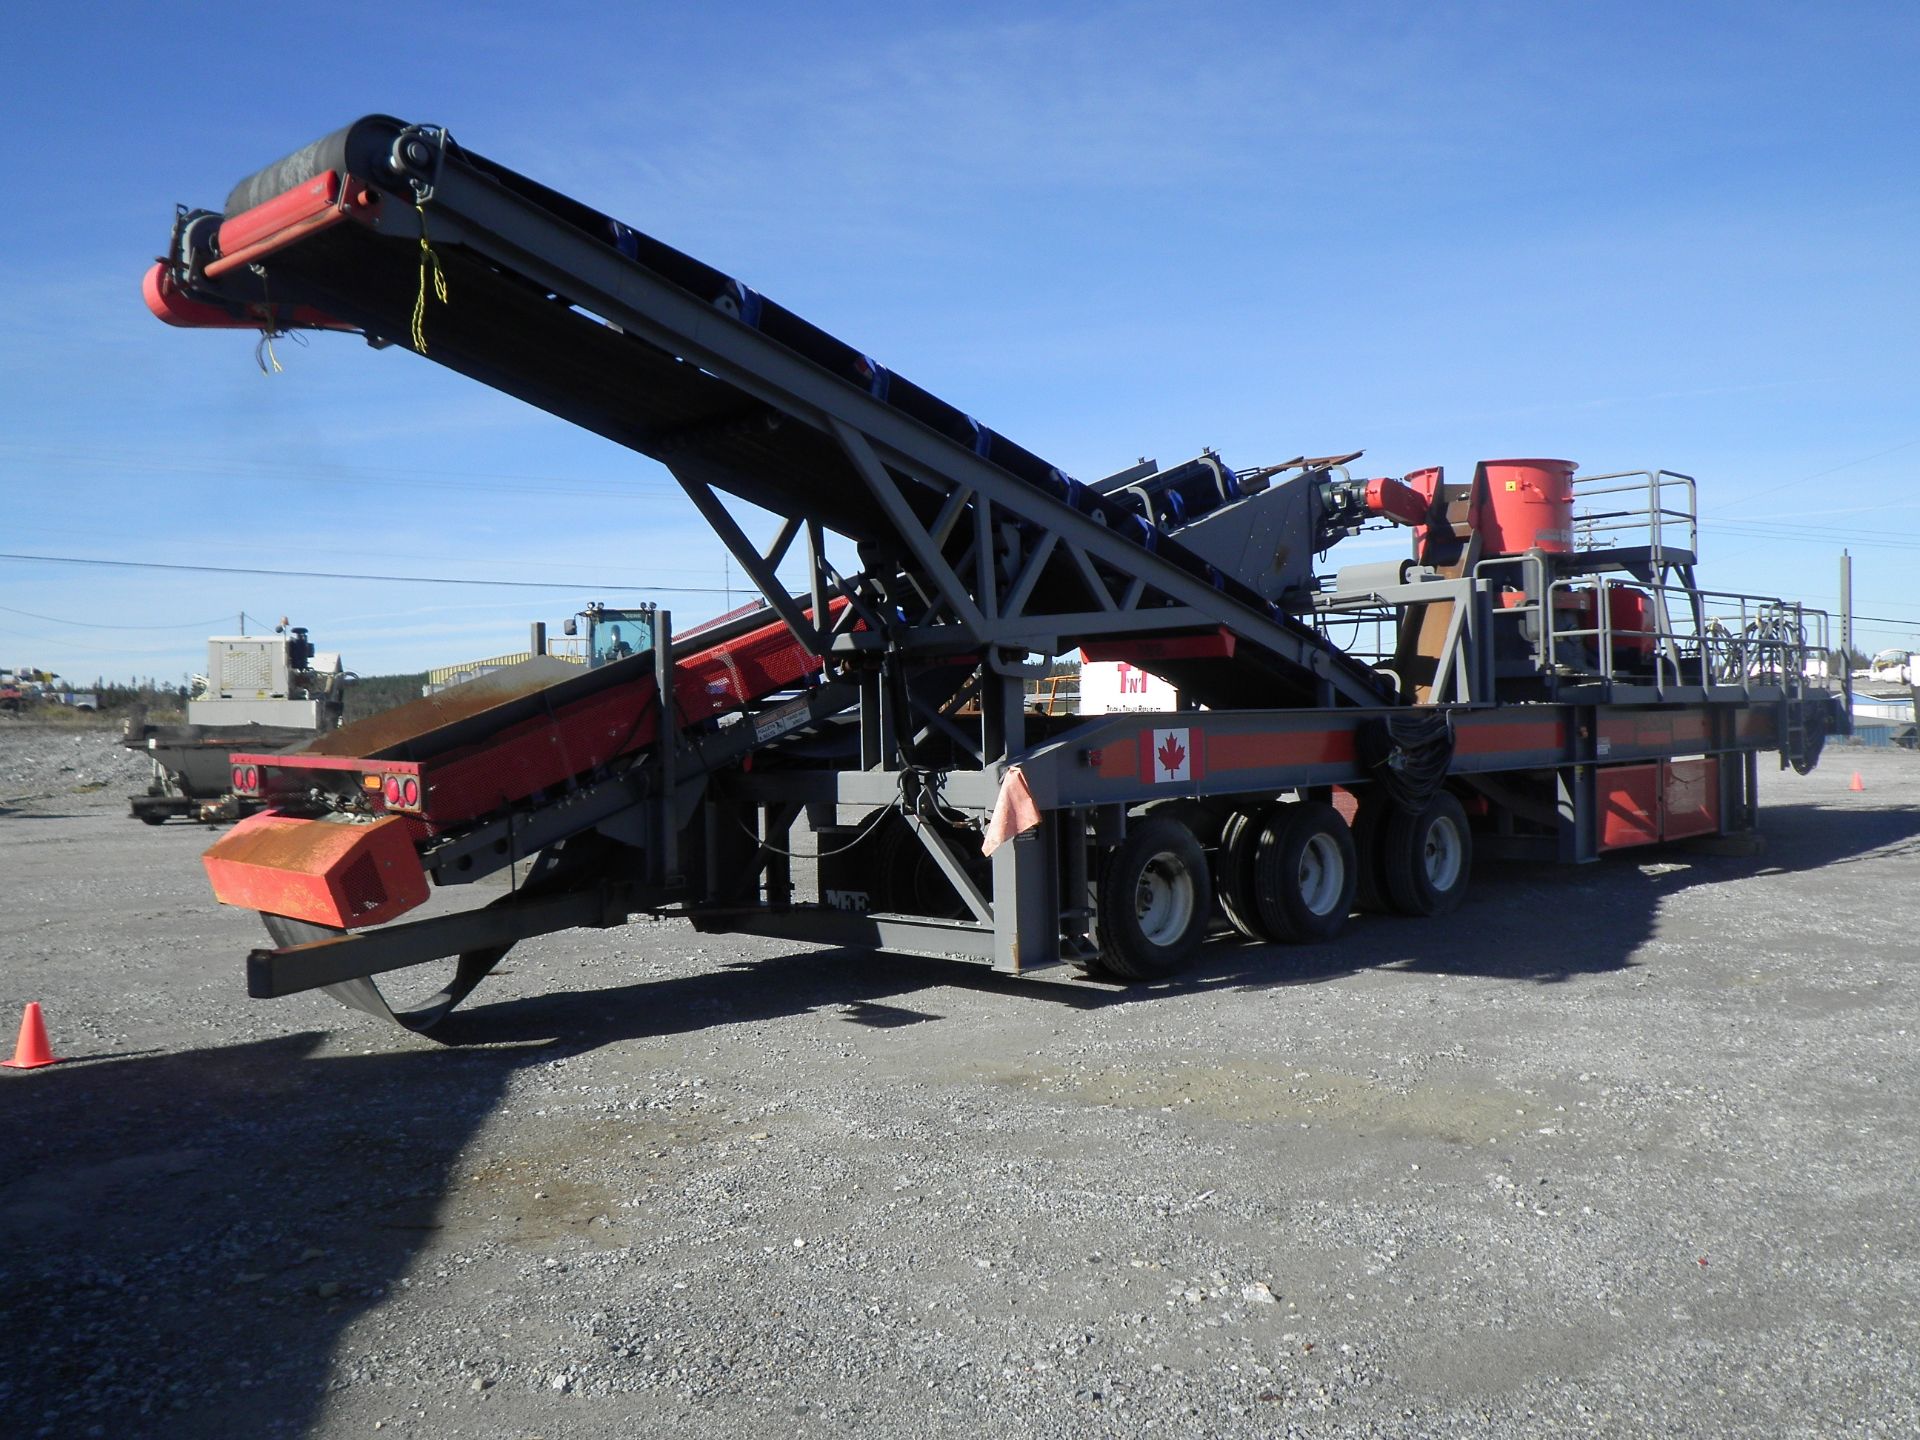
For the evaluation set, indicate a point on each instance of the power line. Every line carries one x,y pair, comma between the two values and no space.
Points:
383,579
1822,474
95,625
331,471
1789,530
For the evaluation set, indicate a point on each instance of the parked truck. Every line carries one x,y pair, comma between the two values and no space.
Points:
1538,675
263,694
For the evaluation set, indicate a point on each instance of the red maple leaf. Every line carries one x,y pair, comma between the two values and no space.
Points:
1172,754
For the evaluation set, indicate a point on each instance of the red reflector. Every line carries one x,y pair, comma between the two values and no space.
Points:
410,792
239,777
393,789
252,780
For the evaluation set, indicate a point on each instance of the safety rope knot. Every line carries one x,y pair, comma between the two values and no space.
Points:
429,265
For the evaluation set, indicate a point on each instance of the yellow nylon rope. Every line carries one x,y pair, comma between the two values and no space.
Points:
428,262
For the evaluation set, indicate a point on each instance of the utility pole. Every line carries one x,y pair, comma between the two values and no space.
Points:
1846,604
1846,628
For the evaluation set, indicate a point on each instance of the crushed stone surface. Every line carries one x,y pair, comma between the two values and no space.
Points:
1622,1150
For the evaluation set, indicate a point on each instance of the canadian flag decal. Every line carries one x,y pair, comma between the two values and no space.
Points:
1170,757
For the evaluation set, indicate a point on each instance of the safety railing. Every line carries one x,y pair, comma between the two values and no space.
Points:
1600,627
1368,635
1655,510
1749,639
1054,695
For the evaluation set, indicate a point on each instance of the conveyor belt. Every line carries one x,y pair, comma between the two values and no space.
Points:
476,748
589,318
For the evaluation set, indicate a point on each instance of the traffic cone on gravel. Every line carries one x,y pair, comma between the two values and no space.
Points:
33,1051
1854,784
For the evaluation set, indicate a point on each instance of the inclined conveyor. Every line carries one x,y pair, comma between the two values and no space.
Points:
588,317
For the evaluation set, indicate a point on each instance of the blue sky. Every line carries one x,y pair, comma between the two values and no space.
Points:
1627,234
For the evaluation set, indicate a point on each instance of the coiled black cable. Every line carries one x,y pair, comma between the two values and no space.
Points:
1409,755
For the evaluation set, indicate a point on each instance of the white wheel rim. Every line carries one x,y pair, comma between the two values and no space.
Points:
1164,900
1441,853
1322,874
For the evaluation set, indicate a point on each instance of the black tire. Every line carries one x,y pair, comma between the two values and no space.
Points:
1426,858
153,819
1155,896
1233,872
1202,819
1370,882
1304,870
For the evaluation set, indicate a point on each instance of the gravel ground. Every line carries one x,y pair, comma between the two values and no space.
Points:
1623,1150
59,764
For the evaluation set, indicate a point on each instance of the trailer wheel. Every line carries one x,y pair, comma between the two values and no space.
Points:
152,819
1304,870
1233,872
1154,899
1427,856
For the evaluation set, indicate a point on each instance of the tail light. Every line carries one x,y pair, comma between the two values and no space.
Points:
402,792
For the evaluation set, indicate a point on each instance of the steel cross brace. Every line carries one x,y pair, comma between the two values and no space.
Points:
517,233
693,478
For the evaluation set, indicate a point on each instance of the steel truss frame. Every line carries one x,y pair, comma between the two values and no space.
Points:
978,602
965,558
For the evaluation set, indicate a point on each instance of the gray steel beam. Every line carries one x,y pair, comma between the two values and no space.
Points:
819,926
524,237
974,790
693,478
294,968
925,549
1016,600
950,866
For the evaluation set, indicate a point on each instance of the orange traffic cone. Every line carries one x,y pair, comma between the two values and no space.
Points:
1854,784
33,1051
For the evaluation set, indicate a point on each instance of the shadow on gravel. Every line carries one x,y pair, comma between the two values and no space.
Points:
851,984
183,1239
1545,924
1549,924
187,1238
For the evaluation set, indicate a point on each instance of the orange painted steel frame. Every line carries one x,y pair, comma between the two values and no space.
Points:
321,202
1669,800
331,874
164,299
252,235
1106,760
348,875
